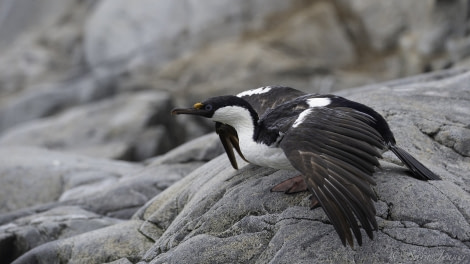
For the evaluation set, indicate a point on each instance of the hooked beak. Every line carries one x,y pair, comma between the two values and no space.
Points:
197,109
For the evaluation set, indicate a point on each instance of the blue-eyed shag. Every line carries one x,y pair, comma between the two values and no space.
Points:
333,142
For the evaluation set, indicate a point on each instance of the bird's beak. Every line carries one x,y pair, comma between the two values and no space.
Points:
185,111
197,109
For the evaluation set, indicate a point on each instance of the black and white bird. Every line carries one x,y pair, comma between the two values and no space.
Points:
333,142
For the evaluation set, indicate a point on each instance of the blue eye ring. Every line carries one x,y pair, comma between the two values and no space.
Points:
208,107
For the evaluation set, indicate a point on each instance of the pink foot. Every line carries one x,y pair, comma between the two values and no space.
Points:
292,185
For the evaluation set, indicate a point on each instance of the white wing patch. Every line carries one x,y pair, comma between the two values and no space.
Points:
302,117
318,102
260,90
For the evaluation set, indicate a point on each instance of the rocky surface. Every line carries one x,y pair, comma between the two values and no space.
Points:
215,214
68,195
81,52
230,216
130,126
85,92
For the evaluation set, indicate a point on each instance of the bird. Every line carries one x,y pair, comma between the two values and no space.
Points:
334,143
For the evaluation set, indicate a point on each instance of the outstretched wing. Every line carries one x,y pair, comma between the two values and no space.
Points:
336,152
261,99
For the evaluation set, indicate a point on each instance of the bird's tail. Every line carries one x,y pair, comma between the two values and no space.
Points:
417,168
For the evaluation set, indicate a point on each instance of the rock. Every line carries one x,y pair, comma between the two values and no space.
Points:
119,52
320,46
50,99
111,188
133,29
23,15
107,244
84,194
33,176
203,148
48,50
289,63
120,261
430,22
232,216
131,127
124,197
58,223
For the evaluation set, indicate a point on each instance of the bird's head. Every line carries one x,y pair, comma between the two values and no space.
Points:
227,109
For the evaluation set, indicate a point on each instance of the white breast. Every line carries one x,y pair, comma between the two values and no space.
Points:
261,154
254,152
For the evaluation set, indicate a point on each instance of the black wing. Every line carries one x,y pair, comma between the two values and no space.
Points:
418,170
274,96
336,152
261,102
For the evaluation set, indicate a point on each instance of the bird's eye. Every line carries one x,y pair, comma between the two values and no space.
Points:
208,107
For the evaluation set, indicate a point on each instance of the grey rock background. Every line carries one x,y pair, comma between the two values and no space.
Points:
86,86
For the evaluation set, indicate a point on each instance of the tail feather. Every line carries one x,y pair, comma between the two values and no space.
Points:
417,168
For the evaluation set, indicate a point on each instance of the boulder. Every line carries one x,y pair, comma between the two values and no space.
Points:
89,50
155,32
217,214
60,222
46,100
98,246
124,197
32,176
45,43
71,195
231,216
273,56
203,148
130,126
111,188
18,17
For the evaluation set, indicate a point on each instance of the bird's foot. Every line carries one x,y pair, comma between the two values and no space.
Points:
292,185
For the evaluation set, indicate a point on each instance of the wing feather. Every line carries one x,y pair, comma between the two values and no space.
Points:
335,150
